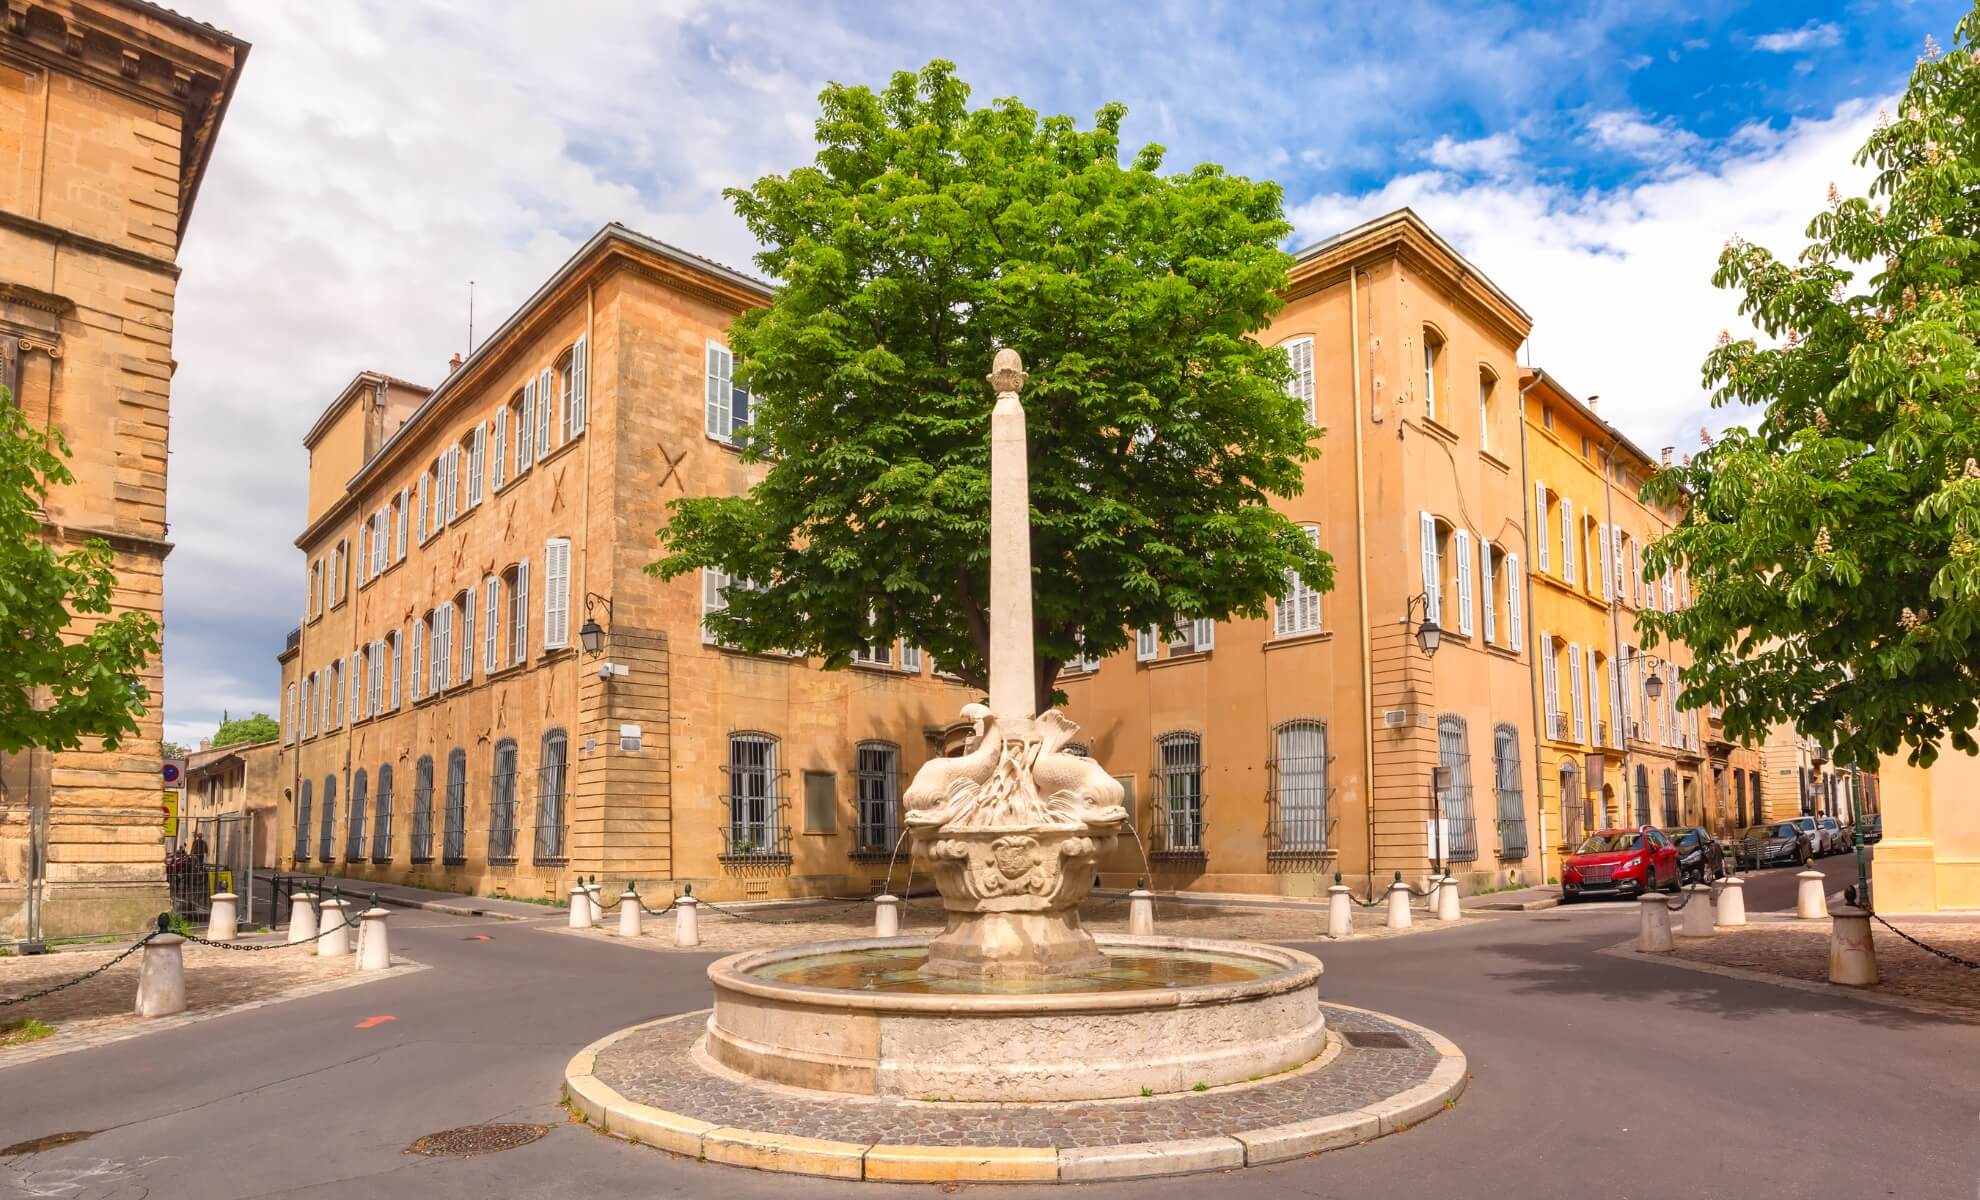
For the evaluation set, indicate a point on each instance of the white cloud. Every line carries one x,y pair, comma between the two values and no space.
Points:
1619,282
1814,35
1628,133
1493,155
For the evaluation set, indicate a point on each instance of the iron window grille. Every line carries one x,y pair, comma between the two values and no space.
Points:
877,787
422,815
1454,802
1576,819
1671,815
453,842
1642,796
1179,795
502,805
381,818
1511,797
1297,820
754,824
326,833
550,817
354,824
302,823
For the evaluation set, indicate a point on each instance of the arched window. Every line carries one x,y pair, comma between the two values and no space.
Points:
1671,814
1642,794
1506,786
422,816
326,832
381,817
502,803
453,843
515,582
354,824
1298,611
1299,356
302,824
755,798
1433,366
1454,800
550,792
522,423
1179,791
572,386
876,779
491,625
1299,787
1488,383
1576,821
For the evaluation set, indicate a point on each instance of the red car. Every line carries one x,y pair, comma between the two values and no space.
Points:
1620,862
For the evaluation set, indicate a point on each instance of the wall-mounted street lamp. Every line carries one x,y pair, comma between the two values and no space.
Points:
1428,635
591,635
1653,687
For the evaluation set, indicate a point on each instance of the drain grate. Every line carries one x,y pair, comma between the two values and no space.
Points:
1374,1039
47,1141
476,1139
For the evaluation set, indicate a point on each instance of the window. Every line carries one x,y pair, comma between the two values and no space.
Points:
753,799
877,783
577,399
1490,567
1192,635
1598,726
715,588
1298,611
392,693
399,525
381,818
498,450
1461,556
354,824
453,848
420,488
911,659
556,593
1179,784
1487,384
546,411
519,612
293,718
1433,569
1550,685
1514,581
1570,534
307,713
550,818
468,645
1454,801
1506,786
477,458
728,405
440,665
326,829
1299,356
1671,814
502,804
1642,795
522,413
415,676
1299,788
1433,364
1145,642
491,623
1542,559
1575,691
422,815
1547,416
1577,810
302,824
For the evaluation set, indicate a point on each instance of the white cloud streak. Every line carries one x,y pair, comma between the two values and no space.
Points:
1812,36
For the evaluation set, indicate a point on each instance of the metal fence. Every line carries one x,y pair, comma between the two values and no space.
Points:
212,854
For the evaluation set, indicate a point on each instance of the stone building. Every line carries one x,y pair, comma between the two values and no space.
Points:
233,794
1264,755
449,727
109,112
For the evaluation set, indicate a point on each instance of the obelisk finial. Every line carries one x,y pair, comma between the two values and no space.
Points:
1012,695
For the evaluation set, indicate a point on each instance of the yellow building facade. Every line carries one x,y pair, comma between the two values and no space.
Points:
1929,860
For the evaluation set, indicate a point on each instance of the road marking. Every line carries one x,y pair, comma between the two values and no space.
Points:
477,937
369,1022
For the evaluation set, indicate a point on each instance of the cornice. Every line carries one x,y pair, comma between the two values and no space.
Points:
66,237
1402,236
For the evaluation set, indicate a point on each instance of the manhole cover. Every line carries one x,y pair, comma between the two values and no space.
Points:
46,1142
1373,1039
477,1139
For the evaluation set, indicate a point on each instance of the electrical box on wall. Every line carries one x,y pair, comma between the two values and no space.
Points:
628,737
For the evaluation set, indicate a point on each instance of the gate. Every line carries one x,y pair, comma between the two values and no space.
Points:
212,854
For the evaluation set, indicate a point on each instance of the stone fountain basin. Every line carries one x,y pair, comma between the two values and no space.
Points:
1041,1045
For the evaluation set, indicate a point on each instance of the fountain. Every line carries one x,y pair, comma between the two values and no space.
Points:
1014,1000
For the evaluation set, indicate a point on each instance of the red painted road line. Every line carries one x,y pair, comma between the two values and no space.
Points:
368,1022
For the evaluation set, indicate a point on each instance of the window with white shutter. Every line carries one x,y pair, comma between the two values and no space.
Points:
416,678
491,635
1299,356
398,652
1203,633
1575,693
546,410
498,453
419,510
1602,538
1488,591
578,396
519,615
1569,536
399,526
1298,611
1670,590
1514,637
1590,681
1551,684
1461,549
1617,714
1541,560
1433,583
1636,575
720,391
477,464
291,718
526,428
910,659
556,593
468,644
1145,641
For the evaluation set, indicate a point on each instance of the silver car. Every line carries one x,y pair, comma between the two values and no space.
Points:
1842,839
1818,842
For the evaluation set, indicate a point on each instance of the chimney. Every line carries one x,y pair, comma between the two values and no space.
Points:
1666,454
454,363
1591,402
206,743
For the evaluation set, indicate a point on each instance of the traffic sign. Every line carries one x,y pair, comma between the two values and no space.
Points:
171,772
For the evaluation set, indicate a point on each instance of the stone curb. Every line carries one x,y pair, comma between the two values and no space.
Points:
1930,1008
601,1106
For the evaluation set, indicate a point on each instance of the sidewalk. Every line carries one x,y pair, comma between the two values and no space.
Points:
400,896
1531,899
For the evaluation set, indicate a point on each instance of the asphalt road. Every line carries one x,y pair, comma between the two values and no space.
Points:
1593,1075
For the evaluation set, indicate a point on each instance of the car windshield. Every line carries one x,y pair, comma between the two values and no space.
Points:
1758,831
1683,837
1786,831
1805,822
1830,823
1607,843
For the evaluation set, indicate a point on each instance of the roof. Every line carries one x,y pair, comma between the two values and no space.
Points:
1407,218
359,380
1588,414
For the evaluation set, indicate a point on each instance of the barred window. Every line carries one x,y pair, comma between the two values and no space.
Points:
877,781
422,817
302,823
453,848
354,826
1299,787
753,799
502,804
326,833
1642,795
1577,811
1454,801
381,817
1671,814
1506,786
1179,778
550,817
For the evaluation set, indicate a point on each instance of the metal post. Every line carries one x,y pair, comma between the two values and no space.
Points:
1856,817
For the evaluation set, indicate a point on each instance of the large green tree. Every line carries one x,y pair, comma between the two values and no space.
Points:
68,668
926,235
1834,549
257,728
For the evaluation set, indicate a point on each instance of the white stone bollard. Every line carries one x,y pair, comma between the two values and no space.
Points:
687,925
1653,931
1398,905
595,893
1448,908
1852,955
374,945
1697,921
580,906
1141,913
161,989
302,918
886,916
631,915
1810,902
1340,911
223,922
335,921
1732,901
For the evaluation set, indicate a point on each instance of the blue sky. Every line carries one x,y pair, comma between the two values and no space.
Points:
1590,158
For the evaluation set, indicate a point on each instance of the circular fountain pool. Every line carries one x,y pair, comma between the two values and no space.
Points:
1161,1015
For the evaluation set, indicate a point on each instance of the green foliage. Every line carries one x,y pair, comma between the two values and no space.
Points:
258,728
1832,549
61,679
925,236
171,750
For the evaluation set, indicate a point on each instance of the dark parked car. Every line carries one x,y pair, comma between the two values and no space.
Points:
1620,862
1873,828
1780,844
1700,857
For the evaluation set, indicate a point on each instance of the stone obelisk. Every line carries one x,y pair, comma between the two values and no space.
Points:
1013,698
